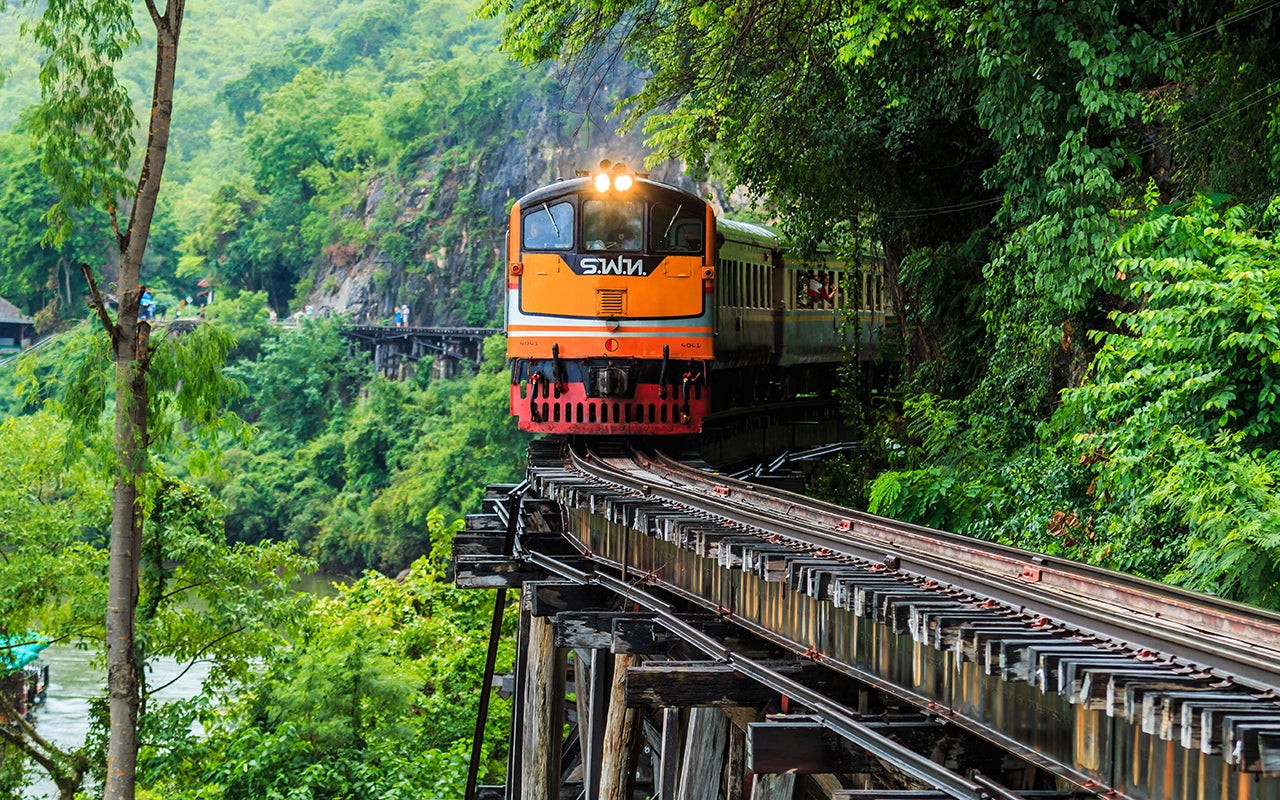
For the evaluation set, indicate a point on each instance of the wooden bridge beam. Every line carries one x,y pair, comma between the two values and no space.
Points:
663,684
803,747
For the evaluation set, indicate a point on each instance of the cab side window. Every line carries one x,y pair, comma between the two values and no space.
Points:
548,227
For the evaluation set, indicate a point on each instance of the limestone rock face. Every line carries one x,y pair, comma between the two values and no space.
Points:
433,238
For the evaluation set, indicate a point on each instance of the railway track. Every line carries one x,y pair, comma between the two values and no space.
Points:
1228,641
943,621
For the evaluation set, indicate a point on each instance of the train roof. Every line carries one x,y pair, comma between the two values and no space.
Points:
643,187
748,233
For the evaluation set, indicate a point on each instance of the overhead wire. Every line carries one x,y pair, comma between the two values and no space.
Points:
1230,19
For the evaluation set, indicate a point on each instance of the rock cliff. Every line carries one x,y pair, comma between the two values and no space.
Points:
444,254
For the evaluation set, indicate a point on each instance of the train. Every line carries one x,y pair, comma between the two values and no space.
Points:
633,309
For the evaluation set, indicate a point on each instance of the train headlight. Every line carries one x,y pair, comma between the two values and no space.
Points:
612,175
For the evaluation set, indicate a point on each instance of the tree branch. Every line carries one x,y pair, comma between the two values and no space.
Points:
194,659
97,304
182,589
122,241
26,738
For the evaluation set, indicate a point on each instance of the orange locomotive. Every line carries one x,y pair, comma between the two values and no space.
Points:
629,305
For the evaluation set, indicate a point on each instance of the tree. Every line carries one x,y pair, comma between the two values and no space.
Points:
84,127
1179,421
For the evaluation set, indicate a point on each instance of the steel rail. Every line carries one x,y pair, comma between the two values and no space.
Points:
1078,577
1144,616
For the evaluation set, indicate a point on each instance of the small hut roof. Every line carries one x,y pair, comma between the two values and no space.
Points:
10,313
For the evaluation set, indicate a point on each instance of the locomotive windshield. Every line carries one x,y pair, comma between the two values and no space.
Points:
612,224
675,229
549,227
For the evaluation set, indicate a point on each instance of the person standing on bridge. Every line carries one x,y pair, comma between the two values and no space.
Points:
399,317
404,314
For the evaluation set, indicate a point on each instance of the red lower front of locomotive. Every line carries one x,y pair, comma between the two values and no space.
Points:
603,397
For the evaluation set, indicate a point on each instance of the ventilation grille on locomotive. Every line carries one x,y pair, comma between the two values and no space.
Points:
611,302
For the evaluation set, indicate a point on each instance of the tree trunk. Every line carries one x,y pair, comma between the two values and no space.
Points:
131,348
544,722
126,545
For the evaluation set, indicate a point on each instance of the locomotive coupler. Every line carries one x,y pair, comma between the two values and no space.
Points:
610,382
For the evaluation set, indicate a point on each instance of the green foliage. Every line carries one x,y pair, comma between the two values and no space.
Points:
1200,349
353,471
1179,421
1163,462
86,161
375,699
302,382
246,318
34,276
238,600
466,441
54,509
53,512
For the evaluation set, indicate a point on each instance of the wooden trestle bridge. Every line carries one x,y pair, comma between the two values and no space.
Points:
698,637
395,349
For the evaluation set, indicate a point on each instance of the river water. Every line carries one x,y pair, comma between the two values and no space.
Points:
74,678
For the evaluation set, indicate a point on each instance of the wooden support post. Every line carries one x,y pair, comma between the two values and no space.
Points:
736,762
703,755
582,706
737,781
591,727
622,724
544,714
773,787
669,756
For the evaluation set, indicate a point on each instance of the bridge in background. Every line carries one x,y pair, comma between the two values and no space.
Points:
396,350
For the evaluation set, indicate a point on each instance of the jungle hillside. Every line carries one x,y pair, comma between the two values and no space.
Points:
1077,209
1076,205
